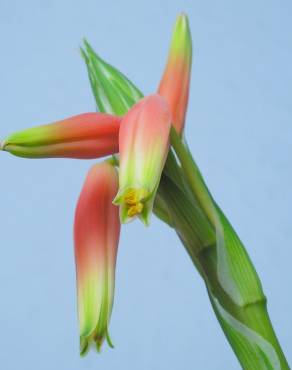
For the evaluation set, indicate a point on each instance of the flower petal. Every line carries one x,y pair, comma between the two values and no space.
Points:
85,136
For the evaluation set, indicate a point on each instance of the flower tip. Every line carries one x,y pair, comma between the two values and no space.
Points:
83,346
182,17
117,199
99,341
124,217
2,145
182,33
98,346
109,341
145,221
145,216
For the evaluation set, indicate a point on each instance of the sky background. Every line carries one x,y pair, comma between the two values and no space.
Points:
239,127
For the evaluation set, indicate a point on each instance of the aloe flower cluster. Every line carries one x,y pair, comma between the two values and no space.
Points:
150,169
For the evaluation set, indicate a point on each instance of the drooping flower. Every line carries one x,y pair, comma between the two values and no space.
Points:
175,83
85,136
143,147
96,236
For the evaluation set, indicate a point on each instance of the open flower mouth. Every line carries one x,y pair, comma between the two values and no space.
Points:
134,200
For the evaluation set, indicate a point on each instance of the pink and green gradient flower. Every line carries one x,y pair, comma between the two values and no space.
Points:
96,235
175,83
143,147
85,136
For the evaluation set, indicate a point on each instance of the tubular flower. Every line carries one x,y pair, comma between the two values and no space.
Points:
175,83
85,136
143,146
96,236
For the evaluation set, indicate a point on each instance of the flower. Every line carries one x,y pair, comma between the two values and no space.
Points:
143,147
85,136
175,83
96,236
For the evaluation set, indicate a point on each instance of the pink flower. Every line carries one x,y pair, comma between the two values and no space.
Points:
143,146
88,135
96,235
175,83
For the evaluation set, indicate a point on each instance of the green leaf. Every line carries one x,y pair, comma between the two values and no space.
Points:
235,272
114,93
233,284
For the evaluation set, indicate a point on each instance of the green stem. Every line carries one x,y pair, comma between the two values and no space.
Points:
192,174
234,288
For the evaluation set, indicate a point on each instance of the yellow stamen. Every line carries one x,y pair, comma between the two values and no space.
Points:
134,196
135,209
131,197
135,199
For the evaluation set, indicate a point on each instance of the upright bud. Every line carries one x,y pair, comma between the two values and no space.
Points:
96,234
175,83
113,91
88,135
143,146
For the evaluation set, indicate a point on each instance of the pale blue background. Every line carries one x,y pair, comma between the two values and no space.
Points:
239,128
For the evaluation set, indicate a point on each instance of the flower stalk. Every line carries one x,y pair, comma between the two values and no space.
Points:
238,301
